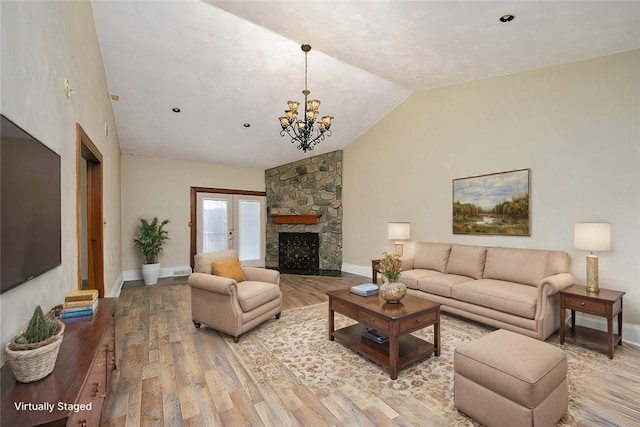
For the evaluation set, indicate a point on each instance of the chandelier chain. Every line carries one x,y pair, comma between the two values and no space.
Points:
305,71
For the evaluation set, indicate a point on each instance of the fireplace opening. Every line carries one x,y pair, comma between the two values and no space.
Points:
298,252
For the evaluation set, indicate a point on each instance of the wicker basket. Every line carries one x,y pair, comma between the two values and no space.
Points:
32,362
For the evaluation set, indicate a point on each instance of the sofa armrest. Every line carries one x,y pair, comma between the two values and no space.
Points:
258,274
211,283
556,283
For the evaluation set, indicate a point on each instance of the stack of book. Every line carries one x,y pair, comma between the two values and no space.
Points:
365,289
80,303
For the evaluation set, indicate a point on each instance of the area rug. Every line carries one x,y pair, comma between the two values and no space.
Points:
296,350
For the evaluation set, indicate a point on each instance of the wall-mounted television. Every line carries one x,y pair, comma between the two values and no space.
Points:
30,216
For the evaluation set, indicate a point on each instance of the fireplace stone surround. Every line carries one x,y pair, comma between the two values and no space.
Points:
311,186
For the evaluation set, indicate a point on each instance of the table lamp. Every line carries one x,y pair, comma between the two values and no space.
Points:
592,236
399,231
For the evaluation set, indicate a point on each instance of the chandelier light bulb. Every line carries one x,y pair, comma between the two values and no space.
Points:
293,105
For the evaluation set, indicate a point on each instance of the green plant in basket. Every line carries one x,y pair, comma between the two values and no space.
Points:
32,353
39,329
390,266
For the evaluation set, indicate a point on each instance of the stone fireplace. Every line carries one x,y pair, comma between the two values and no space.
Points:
305,197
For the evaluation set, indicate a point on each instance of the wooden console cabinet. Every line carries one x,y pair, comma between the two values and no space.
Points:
75,392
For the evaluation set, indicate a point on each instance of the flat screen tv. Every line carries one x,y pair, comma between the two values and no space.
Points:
30,217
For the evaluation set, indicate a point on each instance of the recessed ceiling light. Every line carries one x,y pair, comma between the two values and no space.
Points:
247,125
507,18
175,110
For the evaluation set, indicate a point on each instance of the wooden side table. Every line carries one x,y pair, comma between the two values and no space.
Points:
607,303
375,269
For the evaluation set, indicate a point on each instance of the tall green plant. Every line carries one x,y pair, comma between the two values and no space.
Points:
150,238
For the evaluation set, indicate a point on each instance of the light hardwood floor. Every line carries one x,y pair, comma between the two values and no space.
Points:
171,374
167,376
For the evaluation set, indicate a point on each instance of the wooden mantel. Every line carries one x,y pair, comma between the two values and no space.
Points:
296,219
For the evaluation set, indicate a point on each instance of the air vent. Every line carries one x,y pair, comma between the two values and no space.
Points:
182,272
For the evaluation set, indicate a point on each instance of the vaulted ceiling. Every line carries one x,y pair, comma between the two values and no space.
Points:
225,64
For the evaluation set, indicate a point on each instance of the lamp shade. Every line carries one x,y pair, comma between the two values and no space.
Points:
399,230
592,236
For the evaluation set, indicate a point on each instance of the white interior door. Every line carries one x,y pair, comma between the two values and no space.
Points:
226,221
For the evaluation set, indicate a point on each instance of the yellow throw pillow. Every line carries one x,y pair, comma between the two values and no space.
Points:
230,269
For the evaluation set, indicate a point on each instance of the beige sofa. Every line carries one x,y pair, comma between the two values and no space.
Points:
508,288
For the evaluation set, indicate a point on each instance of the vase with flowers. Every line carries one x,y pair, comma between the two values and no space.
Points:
392,290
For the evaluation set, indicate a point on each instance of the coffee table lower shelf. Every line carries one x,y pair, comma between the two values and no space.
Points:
412,348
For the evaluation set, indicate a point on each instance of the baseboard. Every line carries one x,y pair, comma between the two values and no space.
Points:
177,271
357,269
114,290
630,332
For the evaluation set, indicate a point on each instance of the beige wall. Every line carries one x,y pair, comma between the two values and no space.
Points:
576,126
42,43
161,187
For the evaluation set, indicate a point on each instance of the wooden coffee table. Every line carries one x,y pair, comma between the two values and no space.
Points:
397,321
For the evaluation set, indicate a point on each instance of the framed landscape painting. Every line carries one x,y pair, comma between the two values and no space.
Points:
496,203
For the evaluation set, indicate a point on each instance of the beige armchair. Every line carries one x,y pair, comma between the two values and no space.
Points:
228,306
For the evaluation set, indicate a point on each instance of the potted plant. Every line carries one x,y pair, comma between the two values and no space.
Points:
149,240
33,352
390,266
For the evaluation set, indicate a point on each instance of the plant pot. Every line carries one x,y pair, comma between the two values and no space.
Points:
32,362
150,273
393,292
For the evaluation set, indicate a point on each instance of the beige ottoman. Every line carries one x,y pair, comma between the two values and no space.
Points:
508,379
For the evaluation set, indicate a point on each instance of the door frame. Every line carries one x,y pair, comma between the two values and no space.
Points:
194,205
86,149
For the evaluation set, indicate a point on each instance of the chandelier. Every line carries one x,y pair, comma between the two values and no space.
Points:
308,131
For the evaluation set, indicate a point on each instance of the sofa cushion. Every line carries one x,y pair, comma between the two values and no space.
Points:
431,256
441,284
467,260
410,277
527,266
558,263
508,297
252,294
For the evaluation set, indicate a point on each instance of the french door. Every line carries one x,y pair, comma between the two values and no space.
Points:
228,220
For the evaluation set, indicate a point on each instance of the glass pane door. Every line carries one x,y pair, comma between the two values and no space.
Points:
225,221
215,228
250,229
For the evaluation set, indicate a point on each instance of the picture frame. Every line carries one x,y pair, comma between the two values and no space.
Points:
492,204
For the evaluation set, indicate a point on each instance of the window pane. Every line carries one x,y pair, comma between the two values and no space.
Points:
214,225
248,230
